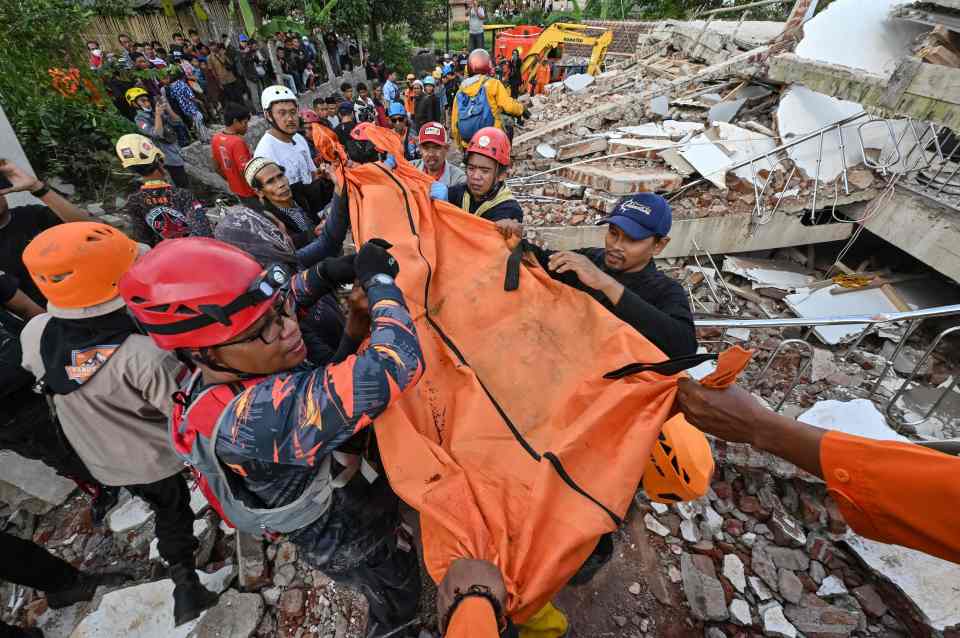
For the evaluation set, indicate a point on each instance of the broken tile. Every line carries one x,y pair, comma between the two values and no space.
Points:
775,623
831,586
733,571
623,181
582,147
704,593
655,526
708,160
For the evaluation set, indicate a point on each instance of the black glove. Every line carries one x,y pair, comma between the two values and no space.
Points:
338,271
373,259
526,114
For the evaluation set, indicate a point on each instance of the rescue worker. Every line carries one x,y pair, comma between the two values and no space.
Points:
623,276
112,388
157,120
159,210
268,434
401,125
434,146
361,152
283,144
481,101
892,492
485,192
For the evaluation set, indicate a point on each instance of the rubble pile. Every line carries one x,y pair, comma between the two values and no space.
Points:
697,146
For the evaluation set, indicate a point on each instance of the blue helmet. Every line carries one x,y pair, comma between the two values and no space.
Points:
447,69
429,80
396,109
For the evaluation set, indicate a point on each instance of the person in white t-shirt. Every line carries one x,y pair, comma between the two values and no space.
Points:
283,144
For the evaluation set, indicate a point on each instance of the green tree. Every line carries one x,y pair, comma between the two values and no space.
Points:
58,108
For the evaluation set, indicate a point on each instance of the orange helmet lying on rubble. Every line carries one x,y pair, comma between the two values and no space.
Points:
681,464
493,143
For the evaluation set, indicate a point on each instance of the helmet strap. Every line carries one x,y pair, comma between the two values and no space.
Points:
203,357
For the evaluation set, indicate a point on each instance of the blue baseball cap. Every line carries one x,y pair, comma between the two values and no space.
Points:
642,215
396,109
345,107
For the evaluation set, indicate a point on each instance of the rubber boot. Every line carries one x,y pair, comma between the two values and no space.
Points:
85,587
190,598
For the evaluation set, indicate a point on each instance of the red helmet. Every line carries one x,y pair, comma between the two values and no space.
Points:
197,292
479,63
493,143
309,117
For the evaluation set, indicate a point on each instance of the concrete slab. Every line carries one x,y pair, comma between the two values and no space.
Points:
622,181
930,583
146,611
582,147
719,235
23,480
646,148
926,231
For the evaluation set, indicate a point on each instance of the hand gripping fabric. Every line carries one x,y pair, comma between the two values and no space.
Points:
513,447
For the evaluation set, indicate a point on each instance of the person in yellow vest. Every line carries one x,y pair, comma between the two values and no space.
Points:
485,193
481,101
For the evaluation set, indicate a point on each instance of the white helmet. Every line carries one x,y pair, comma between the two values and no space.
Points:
276,93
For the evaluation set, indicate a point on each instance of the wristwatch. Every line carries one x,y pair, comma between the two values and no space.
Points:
378,280
41,191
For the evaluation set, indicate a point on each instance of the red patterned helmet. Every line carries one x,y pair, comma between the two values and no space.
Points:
493,143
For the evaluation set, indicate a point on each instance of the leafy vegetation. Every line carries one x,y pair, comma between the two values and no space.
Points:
59,110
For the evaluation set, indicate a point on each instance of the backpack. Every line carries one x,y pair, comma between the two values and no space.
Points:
473,113
193,429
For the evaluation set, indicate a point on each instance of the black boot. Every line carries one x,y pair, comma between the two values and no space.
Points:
6,631
102,503
190,598
86,587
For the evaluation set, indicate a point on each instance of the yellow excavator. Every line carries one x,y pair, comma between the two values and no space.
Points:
536,46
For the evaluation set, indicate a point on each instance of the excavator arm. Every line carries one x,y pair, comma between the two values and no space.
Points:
565,33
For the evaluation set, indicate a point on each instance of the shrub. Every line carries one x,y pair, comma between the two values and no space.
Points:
59,110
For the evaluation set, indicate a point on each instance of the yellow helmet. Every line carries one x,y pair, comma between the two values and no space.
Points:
137,150
133,94
681,463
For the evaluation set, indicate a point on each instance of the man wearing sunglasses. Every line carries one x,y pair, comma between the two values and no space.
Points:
271,437
400,123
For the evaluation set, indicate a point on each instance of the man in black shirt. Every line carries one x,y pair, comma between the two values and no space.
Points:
623,277
21,224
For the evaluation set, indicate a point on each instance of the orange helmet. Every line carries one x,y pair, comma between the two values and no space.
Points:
493,143
77,267
479,63
681,463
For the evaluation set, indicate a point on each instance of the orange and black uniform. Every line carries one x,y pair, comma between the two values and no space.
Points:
896,493
274,434
161,211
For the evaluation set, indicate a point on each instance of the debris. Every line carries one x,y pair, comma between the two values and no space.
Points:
704,592
870,600
666,130
655,526
740,613
582,147
146,611
689,531
252,562
820,303
547,151
708,160
765,273
786,558
131,514
762,565
579,82
815,617
929,583
235,616
733,571
831,586
725,111
859,417
774,622
759,589
790,586
31,484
